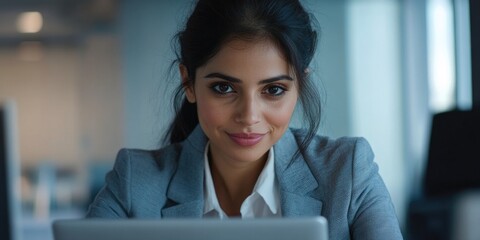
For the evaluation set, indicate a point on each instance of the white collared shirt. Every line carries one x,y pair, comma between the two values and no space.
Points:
264,201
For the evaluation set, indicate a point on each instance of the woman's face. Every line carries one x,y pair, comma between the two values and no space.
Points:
245,97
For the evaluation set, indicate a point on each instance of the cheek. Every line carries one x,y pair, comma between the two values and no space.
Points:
279,116
210,113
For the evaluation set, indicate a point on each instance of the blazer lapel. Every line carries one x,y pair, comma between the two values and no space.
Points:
294,205
295,179
185,192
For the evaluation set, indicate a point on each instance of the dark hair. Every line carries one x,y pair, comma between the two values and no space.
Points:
214,22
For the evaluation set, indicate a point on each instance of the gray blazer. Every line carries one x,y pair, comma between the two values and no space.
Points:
333,178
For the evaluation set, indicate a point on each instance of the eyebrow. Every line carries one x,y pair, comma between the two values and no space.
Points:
236,80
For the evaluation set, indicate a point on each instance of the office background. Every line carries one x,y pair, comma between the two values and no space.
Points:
96,77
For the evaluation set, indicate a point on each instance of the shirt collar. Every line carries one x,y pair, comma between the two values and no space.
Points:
211,200
266,186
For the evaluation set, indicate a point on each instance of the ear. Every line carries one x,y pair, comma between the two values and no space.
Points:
307,71
187,84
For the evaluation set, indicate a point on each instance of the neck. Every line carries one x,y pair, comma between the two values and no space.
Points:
233,184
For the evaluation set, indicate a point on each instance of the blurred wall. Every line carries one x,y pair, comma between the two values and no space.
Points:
69,100
146,31
47,100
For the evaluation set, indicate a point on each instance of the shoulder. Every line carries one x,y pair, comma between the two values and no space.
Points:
323,146
349,182
342,158
144,164
137,184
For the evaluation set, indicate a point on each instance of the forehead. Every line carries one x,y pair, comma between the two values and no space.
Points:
248,59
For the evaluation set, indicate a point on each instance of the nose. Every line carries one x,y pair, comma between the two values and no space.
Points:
248,111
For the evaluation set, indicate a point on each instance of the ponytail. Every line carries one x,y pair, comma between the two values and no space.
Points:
185,120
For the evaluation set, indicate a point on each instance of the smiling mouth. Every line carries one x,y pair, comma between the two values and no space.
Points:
246,139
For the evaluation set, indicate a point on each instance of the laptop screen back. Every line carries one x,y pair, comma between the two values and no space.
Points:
186,229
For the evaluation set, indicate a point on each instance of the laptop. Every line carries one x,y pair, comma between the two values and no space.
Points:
312,228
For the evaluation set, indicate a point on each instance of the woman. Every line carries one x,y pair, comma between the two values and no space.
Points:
243,65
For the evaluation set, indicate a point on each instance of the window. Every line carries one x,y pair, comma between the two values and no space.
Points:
441,55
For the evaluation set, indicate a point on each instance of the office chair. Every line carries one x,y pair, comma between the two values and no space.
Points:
452,173
454,154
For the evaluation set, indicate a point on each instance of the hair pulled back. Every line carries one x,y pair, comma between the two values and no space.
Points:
214,22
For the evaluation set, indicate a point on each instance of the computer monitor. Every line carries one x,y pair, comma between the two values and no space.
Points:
9,173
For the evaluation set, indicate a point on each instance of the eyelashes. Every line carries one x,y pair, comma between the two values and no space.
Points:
275,90
221,88
225,89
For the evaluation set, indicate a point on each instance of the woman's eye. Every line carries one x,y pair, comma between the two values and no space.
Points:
222,88
275,91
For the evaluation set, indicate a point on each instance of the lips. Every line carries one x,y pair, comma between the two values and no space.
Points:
246,139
